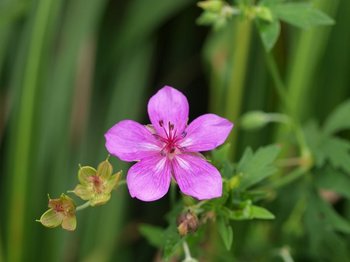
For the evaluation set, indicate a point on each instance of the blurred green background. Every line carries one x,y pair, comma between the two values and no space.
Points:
69,70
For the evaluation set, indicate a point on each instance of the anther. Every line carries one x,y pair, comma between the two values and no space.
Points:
161,123
183,134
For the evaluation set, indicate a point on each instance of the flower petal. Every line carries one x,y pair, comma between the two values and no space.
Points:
84,192
149,179
167,106
131,141
196,177
206,133
51,218
69,223
84,174
100,199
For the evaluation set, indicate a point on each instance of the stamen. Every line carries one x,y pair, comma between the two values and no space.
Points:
183,134
170,127
161,123
158,137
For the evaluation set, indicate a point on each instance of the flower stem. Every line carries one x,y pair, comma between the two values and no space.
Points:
278,82
172,194
289,178
121,183
83,206
283,95
188,257
235,86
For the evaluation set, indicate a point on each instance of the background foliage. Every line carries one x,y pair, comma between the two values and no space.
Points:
69,70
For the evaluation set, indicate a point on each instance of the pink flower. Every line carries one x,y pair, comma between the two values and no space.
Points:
169,148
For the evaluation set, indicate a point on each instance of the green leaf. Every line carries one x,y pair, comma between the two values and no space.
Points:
226,232
324,240
269,33
248,212
334,180
221,155
171,241
154,235
330,218
270,2
302,15
336,150
258,166
328,148
339,119
260,213
220,158
167,239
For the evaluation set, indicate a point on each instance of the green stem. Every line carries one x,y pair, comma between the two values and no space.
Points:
282,93
188,257
288,162
83,206
288,178
279,118
278,82
236,81
121,183
172,194
295,218
285,255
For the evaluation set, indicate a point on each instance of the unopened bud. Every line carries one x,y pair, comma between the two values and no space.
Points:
214,6
187,223
254,120
264,13
234,181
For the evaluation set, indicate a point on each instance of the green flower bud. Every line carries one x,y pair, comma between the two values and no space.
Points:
259,119
214,6
264,13
254,120
234,182
61,212
208,18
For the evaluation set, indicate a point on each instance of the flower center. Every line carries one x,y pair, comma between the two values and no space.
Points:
97,183
171,139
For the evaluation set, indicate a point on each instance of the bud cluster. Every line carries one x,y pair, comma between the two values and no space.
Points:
95,187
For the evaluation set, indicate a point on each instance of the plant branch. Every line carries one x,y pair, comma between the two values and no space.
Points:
83,206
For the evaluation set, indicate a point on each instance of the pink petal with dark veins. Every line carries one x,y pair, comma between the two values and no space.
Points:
196,177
